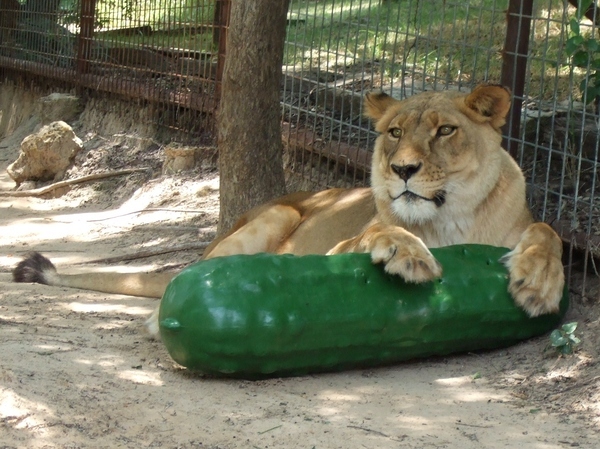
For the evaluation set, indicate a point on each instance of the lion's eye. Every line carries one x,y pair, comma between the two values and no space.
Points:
396,133
445,130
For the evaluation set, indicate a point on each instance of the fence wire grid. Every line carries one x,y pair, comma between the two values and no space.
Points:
337,50
170,53
160,51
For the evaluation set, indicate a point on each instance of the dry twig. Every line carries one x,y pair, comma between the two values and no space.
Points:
57,185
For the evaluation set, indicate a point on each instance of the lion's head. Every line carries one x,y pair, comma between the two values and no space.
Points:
438,161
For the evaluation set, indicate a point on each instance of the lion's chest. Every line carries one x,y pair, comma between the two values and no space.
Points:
446,231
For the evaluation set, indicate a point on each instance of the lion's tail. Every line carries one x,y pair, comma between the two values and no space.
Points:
38,269
35,268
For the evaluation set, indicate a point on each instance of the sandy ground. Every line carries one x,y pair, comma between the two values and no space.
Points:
78,371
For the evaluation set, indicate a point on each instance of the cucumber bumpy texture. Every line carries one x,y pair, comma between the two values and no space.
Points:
279,315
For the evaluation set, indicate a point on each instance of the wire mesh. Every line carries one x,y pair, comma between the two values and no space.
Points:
559,138
338,49
163,51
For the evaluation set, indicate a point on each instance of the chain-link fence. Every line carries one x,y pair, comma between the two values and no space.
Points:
546,51
162,51
339,49
170,52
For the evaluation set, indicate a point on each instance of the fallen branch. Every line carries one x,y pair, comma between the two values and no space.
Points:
149,209
138,211
149,253
57,185
458,423
166,228
269,430
365,429
14,419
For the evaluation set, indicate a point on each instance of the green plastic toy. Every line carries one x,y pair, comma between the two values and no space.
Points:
279,315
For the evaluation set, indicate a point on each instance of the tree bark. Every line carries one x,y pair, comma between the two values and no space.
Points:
249,119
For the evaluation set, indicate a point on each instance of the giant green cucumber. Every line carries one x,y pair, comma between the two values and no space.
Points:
268,315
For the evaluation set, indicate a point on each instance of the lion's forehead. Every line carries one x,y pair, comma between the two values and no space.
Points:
432,113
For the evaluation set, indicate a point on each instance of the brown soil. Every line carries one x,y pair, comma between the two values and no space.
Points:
78,371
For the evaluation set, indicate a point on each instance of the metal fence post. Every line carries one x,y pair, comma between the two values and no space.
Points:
86,34
222,22
514,66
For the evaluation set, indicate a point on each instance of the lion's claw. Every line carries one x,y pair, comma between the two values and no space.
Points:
536,280
406,256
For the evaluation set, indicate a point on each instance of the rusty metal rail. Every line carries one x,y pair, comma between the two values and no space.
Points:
135,50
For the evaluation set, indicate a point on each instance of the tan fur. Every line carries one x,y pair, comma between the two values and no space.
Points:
439,177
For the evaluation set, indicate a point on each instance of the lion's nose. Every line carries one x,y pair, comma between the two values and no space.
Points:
406,171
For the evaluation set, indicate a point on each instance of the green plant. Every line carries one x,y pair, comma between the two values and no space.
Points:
583,50
105,11
564,339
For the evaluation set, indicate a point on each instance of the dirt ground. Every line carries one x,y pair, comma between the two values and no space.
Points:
78,371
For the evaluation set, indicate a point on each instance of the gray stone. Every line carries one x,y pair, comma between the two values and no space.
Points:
46,154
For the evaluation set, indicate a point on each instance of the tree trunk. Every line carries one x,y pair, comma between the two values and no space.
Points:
249,119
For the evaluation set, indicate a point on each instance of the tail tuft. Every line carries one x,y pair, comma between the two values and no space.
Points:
34,268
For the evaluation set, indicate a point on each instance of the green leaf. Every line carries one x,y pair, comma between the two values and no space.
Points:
573,44
557,339
574,24
582,7
591,45
574,340
578,40
580,59
569,328
591,92
566,349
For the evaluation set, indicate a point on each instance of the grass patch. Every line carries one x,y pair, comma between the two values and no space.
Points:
435,43
431,44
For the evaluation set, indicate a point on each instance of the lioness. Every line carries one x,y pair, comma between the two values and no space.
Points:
439,177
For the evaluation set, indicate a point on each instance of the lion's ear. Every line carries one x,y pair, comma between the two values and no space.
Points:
376,104
490,101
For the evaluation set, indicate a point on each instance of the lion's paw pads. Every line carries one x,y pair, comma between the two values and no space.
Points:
536,284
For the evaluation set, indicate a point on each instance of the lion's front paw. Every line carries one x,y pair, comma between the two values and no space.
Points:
536,280
406,256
